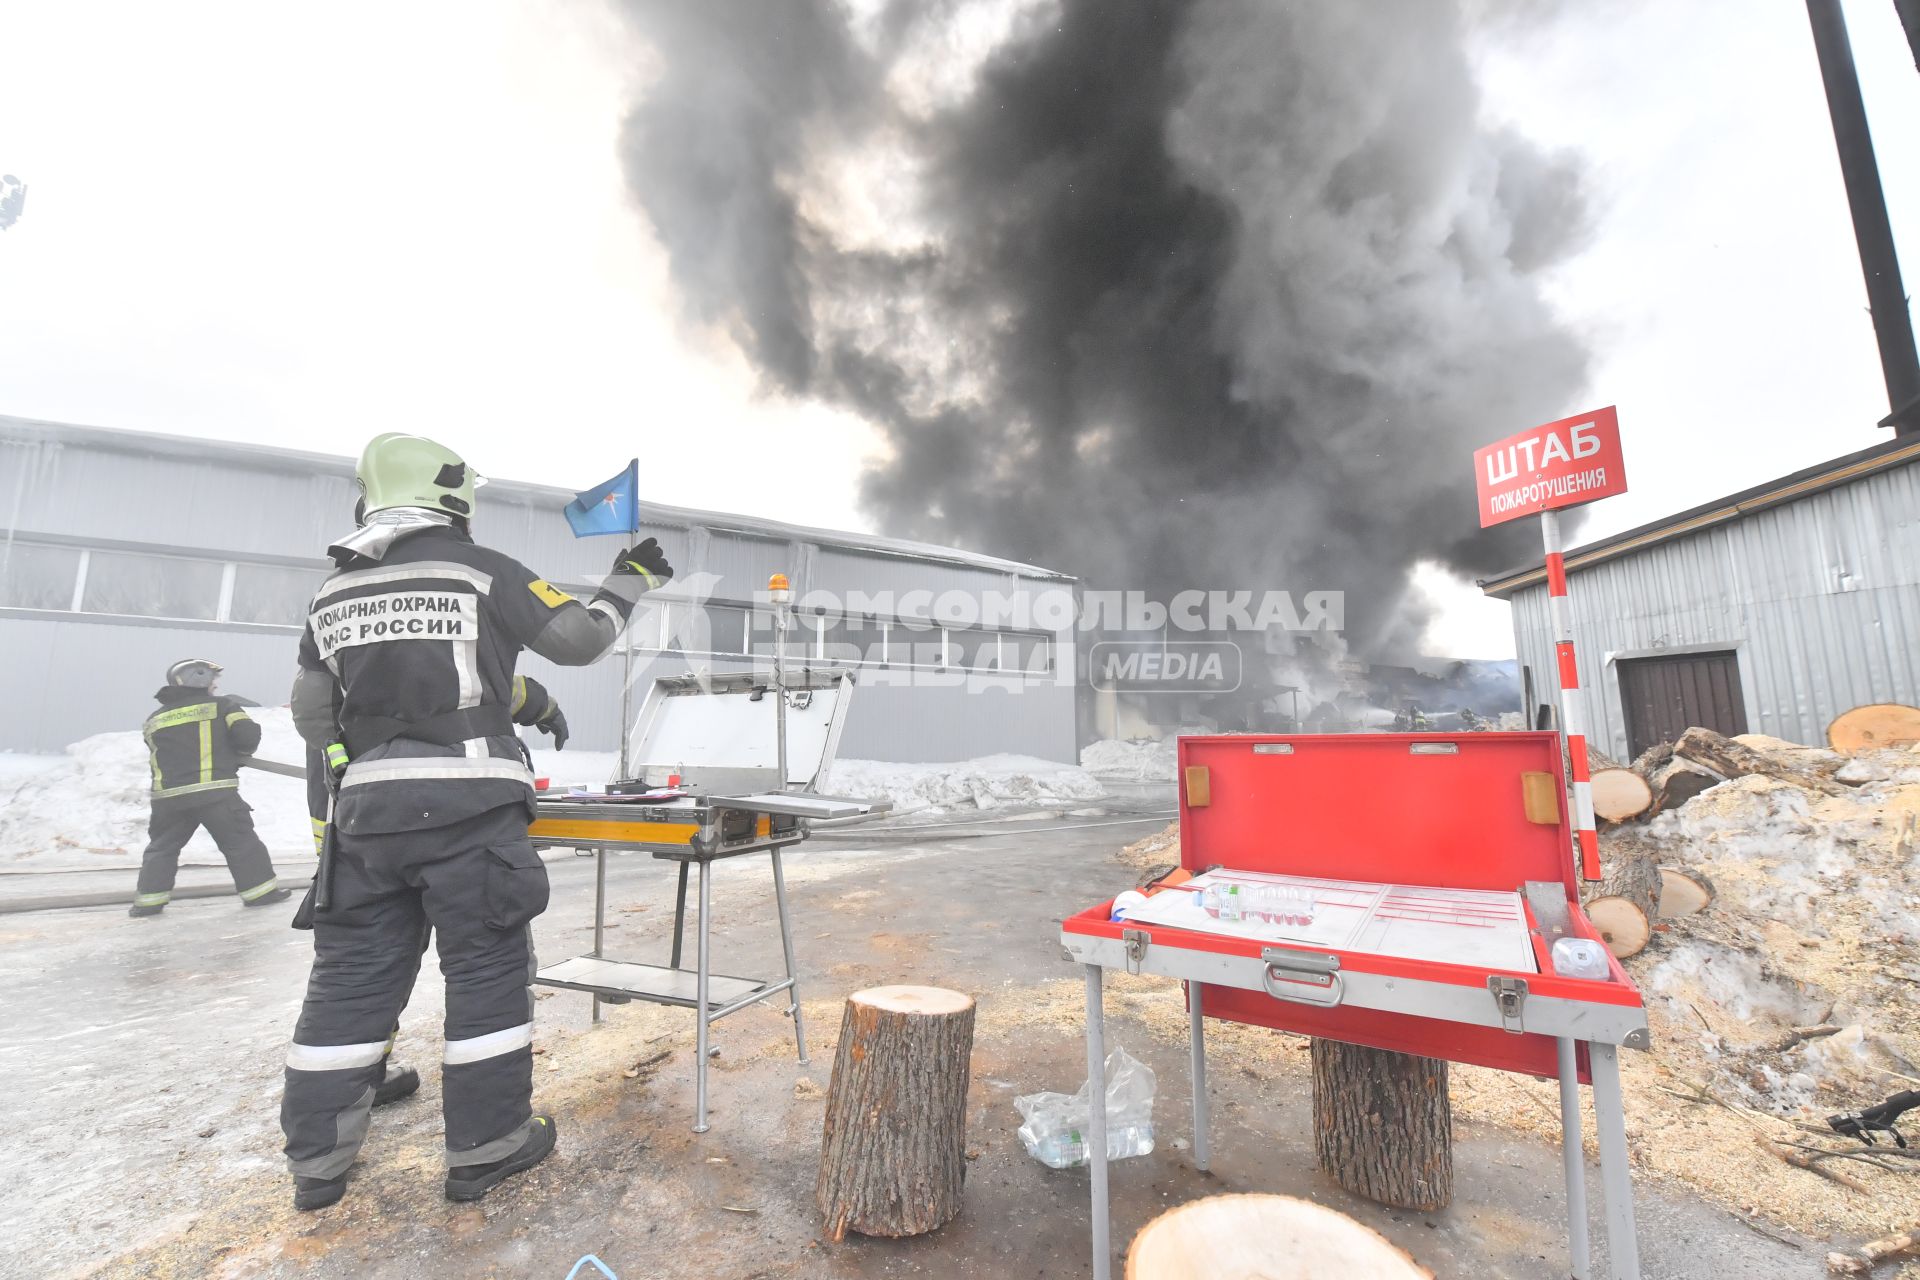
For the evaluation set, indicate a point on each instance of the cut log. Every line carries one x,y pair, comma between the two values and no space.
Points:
1732,759
1648,762
1862,1260
1264,1237
1620,793
1628,869
1683,892
1598,759
1624,925
1878,724
1622,903
1383,1124
1678,781
893,1152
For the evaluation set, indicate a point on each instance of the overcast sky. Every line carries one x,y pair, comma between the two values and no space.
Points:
249,224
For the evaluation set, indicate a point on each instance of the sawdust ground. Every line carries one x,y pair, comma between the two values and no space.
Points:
1676,1129
1684,1140
582,1076
1155,852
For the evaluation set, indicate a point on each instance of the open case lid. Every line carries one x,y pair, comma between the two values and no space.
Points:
718,731
1466,810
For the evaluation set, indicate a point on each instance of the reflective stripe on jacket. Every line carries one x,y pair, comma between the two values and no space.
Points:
194,742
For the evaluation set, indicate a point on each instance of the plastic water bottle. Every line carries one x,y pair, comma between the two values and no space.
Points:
1293,905
1063,1150
1579,958
1224,902
1285,904
1126,902
1067,1149
1129,1140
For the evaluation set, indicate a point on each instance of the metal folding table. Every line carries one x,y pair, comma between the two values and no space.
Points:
714,738
1475,819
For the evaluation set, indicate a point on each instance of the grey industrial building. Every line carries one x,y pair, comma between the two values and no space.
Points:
1769,611
124,551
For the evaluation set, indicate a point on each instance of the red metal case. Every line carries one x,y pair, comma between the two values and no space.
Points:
1438,810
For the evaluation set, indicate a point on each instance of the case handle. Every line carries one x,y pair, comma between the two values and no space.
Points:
1302,977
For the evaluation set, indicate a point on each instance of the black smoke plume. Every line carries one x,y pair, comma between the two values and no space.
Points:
1217,294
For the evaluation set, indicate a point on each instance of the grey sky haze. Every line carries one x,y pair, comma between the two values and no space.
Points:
248,224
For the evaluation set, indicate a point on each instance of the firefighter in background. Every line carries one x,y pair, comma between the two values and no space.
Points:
194,743
409,653
532,706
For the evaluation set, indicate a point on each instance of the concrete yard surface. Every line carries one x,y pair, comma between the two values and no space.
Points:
143,1061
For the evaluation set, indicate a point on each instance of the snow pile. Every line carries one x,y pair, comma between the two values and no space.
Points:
990,782
1135,759
1792,992
15,767
90,807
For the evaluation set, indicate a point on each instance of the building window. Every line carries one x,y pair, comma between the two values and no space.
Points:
273,593
970,650
854,641
33,576
711,629
802,642
152,586
915,642
1025,652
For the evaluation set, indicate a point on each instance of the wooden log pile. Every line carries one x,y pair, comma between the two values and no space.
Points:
1636,888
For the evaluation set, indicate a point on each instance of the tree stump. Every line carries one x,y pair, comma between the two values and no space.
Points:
893,1153
1263,1237
1383,1125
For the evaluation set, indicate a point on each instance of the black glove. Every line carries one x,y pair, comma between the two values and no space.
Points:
555,723
647,561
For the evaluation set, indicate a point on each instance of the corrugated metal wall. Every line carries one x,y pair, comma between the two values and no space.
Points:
64,676
1819,598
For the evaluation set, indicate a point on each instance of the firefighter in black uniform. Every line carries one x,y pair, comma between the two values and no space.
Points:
194,742
533,706
409,653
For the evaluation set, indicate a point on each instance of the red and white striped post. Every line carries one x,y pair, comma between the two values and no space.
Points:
1573,719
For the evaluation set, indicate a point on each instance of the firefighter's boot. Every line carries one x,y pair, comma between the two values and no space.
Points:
399,1082
318,1193
471,1181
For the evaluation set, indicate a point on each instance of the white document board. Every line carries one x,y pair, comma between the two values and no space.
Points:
1485,929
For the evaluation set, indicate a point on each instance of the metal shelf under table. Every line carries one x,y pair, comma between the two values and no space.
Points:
621,980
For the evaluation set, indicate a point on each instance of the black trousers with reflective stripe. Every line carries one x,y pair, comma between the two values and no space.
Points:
227,818
477,884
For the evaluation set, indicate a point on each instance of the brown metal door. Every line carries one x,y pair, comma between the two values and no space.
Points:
1664,697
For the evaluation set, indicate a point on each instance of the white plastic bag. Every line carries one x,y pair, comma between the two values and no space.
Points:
1055,1128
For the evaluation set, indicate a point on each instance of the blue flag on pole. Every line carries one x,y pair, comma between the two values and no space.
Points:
611,507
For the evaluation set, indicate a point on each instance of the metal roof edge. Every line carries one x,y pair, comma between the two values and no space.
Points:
1799,484
277,458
